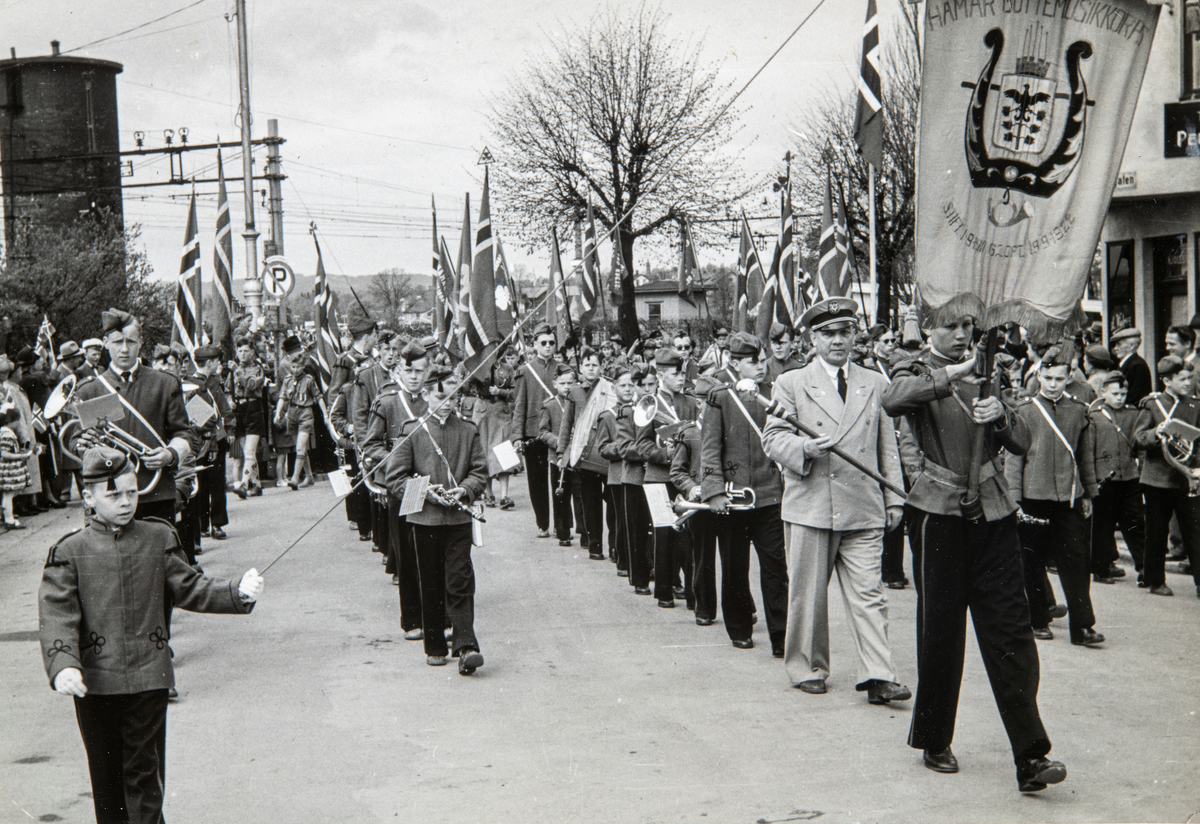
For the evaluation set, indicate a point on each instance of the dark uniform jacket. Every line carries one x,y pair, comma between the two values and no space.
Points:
158,396
104,600
589,459
732,451
1156,471
393,408
1116,453
944,432
550,424
459,443
342,372
685,463
607,446
776,367
1048,471
656,457
633,470
532,393
369,377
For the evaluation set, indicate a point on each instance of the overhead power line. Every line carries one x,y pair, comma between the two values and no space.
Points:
135,28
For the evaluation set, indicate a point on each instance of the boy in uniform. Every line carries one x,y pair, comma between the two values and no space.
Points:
550,424
1119,503
447,450
609,448
106,592
1056,481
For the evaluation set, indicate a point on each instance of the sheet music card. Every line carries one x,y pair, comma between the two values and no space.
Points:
414,495
340,483
660,505
199,412
506,455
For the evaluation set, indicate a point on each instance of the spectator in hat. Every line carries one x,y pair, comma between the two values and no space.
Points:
1098,364
93,354
70,358
1124,346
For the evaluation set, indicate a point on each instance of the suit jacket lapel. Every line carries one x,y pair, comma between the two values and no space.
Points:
820,389
857,394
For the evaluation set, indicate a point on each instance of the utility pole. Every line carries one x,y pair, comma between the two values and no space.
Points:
252,288
274,176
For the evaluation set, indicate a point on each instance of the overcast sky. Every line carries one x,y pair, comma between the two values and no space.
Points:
384,102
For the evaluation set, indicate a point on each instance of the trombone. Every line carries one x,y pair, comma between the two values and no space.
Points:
739,499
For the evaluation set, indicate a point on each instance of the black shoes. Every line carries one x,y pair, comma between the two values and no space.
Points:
1043,634
565,542
218,534
641,590
942,761
746,644
1058,611
469,661
596,556
622,573
814,687
897,584
667,604
1085,638
1033,774
1161,589
1103,579
881,692
705,622
776,651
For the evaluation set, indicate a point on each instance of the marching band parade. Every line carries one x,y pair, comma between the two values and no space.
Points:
976,451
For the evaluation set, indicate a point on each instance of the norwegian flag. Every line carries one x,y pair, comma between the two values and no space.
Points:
443,288
770,305
589,289
466,249
868,119
329,344
222,305
449,277
506,293
751,287
186,329
689,269
557,313
44,348
481,336
834,268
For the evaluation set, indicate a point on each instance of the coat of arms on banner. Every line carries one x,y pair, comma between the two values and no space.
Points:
1037,131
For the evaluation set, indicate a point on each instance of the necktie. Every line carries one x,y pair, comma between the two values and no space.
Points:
842,384
127,376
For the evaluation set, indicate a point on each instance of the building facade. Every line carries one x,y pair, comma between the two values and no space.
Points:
660,302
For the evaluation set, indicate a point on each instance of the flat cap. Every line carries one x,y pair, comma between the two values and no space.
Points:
413,350
1099,356
360,325
744,345
68,350
668,356
90,342
206,353
101,463
1170,365
114,320
1124,334
292,345
827,312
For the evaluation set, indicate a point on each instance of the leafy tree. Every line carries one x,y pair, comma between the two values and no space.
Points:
620,114
390,291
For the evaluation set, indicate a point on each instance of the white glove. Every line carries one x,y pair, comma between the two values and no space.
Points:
251,586
70,682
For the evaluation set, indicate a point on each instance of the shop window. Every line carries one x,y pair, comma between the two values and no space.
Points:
1168,265
1121,302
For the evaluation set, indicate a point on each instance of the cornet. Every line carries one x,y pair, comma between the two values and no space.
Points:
739,499
649,409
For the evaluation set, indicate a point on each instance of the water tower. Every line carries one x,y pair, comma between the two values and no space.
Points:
59,142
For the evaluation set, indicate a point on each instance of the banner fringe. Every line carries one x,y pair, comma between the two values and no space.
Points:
1039,327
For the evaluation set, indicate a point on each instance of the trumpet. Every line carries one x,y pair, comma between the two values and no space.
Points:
1178,441
447,500
739,499
114,437
649,408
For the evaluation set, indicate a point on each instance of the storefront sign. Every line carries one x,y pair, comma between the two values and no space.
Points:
1181,123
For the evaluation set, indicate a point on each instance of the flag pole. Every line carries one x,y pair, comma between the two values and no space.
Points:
871,226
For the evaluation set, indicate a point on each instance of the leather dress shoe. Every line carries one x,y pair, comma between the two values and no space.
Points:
881,692
204,533
1043,633
896,585
776,651
705,622
1116,571
395,580
256,492
1058,611
565,542
545,533
1033,774
596,556
744,644
218,534
1086,638
641,590
1103,579
942,761
667,604
239,490
364,537
469,661
1161,589
813,687
680,592
622,573
435,660
414,635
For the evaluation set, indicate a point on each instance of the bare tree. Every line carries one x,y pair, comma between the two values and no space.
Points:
391,291
619,113
831,148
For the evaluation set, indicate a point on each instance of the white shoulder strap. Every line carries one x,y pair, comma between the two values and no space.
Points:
131,408
1065,442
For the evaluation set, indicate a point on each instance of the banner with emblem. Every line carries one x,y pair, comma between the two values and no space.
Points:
1026,108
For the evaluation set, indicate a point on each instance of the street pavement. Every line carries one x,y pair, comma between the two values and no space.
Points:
594,705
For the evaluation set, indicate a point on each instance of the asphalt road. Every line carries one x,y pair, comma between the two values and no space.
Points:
594,705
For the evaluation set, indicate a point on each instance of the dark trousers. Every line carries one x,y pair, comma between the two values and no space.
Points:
1160,505
1118,506
610,518
672,554
1068,541
447,586
587,490
211,479
125,737
639,536
403,561
960,565
620,534
379,525
563,521
702,525
537,462
892,560
358,502
735,531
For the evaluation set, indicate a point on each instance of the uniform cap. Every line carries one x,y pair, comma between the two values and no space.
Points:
744,345
413,350
668,356
90,342
1170,365
206,353
1124,334
68,349
1115,376
778,330
877,331
827,312
1060,354
101,463
360,325
292,345
542,329
114,320
161,350
562,369
720,331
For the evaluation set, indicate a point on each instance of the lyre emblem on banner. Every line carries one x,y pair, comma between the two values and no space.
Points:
1022,109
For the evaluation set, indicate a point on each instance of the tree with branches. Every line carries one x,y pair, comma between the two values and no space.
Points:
392,291
623,115
830,148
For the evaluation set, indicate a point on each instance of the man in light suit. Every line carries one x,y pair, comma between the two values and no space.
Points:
834,515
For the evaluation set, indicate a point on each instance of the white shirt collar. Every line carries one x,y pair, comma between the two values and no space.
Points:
831,370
